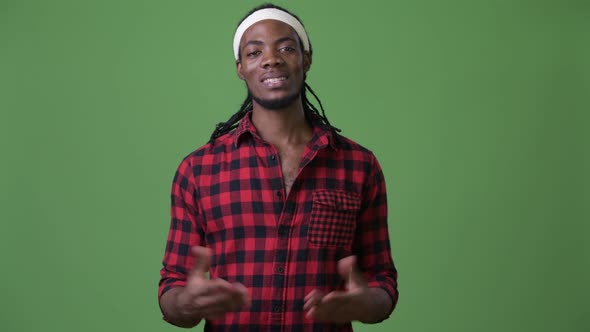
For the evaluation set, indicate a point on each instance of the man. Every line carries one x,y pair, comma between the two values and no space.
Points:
288,217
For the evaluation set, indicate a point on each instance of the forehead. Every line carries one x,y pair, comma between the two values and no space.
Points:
268,31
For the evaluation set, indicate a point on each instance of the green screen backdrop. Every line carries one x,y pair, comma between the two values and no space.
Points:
477,111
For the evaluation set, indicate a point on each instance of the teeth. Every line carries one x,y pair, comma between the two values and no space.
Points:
274,79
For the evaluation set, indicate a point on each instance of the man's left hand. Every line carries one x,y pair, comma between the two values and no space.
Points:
341,306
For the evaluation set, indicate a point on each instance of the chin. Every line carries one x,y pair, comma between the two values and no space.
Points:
276,103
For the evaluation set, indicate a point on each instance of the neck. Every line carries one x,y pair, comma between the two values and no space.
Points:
282,127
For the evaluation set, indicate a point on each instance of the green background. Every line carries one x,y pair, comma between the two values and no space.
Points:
477,111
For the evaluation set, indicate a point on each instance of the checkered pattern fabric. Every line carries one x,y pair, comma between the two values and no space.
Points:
229,196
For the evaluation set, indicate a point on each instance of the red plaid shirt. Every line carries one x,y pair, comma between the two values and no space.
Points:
229,196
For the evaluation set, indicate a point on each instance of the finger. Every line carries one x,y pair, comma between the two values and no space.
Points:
213,314
219,301
309,295
221,295
333,297
312,299
202,258
346,267
311,313
348,270
221,306
238,298
323,312
242,294
313,294
333,308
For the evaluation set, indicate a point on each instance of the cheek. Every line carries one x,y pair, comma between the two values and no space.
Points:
249,71
251,87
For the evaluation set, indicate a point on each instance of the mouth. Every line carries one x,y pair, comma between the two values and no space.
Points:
274,82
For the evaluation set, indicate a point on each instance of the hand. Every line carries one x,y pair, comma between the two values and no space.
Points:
340,306
209,298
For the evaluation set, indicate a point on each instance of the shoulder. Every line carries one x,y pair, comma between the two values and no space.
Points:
351,147
208,153
359,158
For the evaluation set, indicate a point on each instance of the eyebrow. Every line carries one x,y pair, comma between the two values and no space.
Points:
278,41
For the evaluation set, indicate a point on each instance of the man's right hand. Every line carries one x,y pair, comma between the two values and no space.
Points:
202,297
209,298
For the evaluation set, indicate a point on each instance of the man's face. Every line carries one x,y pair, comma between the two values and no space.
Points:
272,63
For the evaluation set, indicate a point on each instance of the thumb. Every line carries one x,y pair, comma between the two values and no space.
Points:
202,258
348,270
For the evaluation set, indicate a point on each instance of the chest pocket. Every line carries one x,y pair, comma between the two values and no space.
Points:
333,218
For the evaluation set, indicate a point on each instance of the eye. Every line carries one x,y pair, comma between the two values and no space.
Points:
287,49
252,54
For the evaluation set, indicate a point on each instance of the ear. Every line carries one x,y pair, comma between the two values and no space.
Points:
306,61
239,69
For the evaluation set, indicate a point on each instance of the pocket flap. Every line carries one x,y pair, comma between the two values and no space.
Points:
339,200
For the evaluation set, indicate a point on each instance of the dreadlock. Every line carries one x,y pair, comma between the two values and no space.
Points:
223,128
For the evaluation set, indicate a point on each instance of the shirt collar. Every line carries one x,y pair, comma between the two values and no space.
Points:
322,135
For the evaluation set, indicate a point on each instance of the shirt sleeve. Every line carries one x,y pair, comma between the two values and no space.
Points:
185,231
372,244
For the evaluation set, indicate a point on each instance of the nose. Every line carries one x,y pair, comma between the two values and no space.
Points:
271,59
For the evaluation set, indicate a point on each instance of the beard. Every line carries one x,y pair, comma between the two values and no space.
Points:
275,104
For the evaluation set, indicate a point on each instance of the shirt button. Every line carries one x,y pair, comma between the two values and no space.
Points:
273,157
276,308
279,193
280,269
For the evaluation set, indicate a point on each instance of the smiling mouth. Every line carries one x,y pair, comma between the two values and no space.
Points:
274,80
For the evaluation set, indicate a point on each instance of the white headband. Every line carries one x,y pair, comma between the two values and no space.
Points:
270,14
